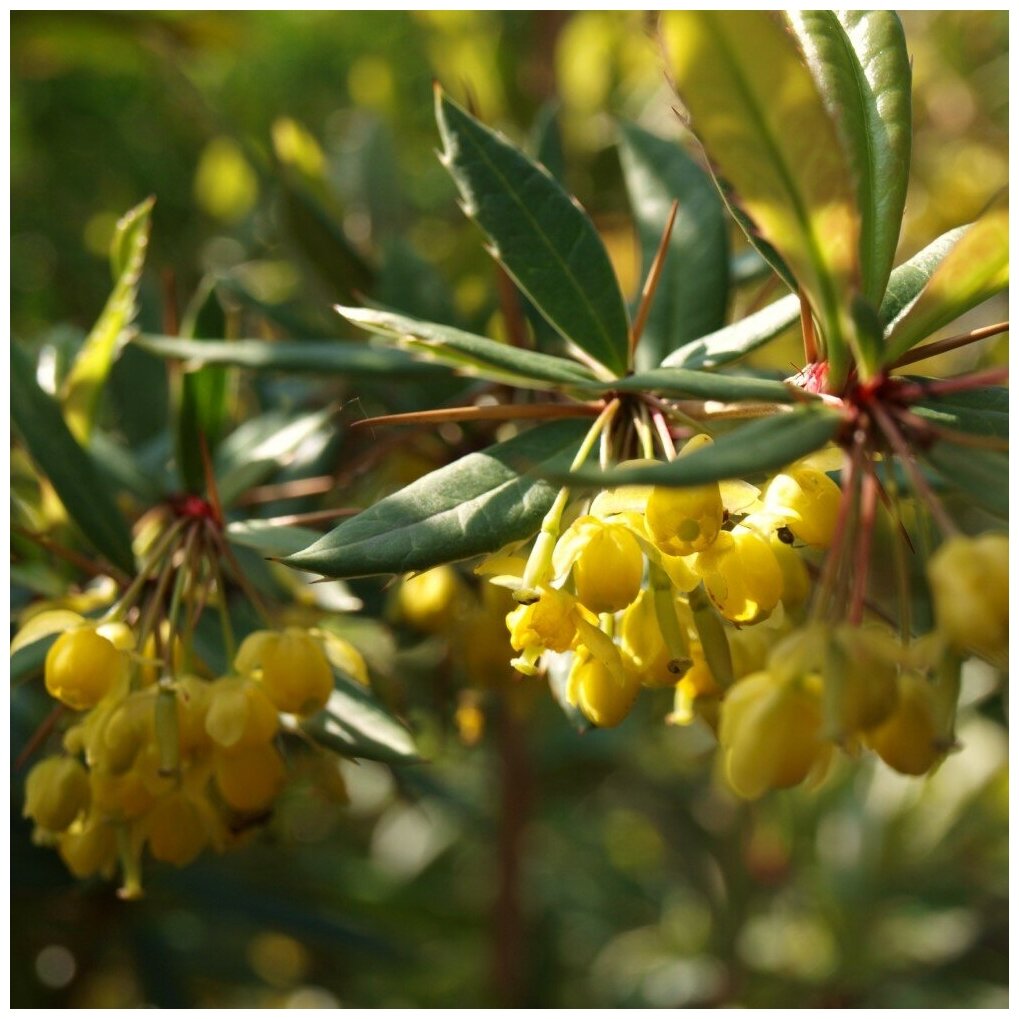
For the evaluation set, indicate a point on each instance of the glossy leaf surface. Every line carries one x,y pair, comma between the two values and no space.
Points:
475,505
862,69
91,367
693,290
539,233
75,477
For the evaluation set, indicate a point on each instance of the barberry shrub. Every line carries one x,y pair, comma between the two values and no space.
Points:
651,516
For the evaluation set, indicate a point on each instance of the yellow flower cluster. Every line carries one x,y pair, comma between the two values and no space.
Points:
165,760
705,589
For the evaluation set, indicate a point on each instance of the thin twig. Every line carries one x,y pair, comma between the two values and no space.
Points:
496,412
313,517
950,343
958,384
74,558
807,328
296,489
39,736
651,283
919,483
864,536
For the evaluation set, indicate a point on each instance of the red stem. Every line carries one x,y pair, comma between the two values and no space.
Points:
861,560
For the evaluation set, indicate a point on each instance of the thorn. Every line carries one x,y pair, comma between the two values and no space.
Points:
651,283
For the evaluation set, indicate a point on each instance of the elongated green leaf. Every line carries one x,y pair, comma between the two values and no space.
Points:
980,473
694,287
862,69
270,539
475,505
204,393
764,445
355,724
757,111
747,266
473,354
324,244
739,339
85,380
908,280
975,269
981,411
262,446
331,357
543,238
699,385
546,141
76,479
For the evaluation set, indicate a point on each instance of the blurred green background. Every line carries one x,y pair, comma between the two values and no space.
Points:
536,867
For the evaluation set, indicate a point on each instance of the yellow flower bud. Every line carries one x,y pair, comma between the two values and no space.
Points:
89,848
861,679
909,739
56,792
82,667
808,500
176,830
428,601
684,520
192,706
969,584
642,640
129,727
249,779
291,667
240,713
608,572
741,576
123,796
607,563
770,732
604,695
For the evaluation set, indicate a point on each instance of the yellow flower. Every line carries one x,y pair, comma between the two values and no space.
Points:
550,624
56,793
83,666
969,584
770,732
177,829
604,695
250,778
741,575
684,520
606,560
240,713
808,500
291,668
89,847
428,601
909,739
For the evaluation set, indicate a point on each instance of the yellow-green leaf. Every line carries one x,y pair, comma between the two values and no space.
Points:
84,383
757,111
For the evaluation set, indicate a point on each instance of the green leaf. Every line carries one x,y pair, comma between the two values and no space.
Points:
262,446
764,445
739,339
862,69
755,108
544,239
743,337
329,357
980,473
355,724
747,266
204,394
324,244
84,383
546,140
472,354
975,269
270,539
473,506
75,477
698,385
909,279
981,411
694,287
